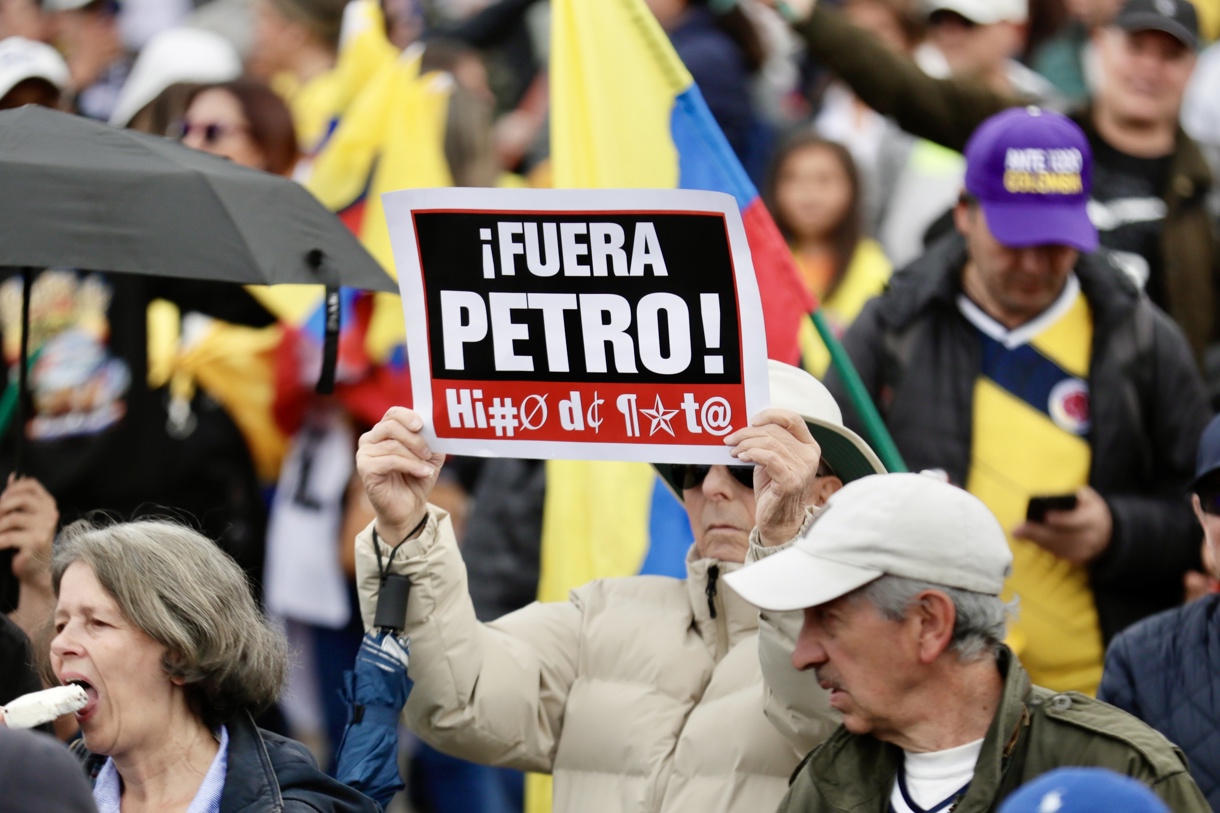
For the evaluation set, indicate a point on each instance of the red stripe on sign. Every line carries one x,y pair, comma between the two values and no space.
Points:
670,414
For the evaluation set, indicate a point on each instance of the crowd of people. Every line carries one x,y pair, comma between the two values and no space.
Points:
1006,210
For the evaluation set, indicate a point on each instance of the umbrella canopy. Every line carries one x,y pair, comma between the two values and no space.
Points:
83,194
376,689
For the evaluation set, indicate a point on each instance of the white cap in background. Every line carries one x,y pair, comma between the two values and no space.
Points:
172,56
983,12
22,59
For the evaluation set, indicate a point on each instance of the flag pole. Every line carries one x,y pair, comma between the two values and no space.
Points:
878,435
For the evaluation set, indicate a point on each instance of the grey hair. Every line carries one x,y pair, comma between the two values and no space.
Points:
187,594
980,622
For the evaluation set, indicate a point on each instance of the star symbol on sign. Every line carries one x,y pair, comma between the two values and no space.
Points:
660,417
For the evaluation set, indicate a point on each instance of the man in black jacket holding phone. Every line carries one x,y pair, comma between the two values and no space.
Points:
1024,365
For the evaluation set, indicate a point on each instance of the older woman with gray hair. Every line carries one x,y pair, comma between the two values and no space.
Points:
159,627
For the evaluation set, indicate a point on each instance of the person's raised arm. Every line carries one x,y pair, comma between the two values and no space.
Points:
492,693
945,111
399,472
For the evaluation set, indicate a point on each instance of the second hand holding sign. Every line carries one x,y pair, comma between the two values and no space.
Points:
620,325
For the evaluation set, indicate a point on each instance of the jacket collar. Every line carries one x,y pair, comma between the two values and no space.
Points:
856,772
250,782
933,281
735,619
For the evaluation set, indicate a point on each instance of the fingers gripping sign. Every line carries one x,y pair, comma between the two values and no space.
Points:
786,477
398,471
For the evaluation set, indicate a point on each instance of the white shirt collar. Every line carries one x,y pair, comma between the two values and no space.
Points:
1028,331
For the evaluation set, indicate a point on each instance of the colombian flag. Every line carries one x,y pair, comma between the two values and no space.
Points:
388,134
625,113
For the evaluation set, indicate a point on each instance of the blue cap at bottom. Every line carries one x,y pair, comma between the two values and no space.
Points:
1083,790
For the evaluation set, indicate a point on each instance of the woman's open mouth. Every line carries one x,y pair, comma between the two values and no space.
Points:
91,706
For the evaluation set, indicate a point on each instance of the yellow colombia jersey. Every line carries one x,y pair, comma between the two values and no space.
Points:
1031,419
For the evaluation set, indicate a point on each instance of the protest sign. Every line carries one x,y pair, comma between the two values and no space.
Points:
606,325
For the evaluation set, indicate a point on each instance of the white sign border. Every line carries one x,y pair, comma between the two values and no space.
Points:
398,208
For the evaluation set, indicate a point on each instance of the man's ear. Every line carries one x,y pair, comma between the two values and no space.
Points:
824,488
962,215
936,616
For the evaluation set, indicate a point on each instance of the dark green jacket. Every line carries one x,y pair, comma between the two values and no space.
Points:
1034,731
947,111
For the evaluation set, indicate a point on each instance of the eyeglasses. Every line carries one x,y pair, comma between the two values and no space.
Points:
212,132
690,476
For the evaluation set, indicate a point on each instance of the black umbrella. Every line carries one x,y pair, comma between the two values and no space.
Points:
83,194
87,195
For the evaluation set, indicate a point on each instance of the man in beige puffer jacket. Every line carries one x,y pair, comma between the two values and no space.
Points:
640,693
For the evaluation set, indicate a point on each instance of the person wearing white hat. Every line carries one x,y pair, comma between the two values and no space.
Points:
172,56
639,693
31,72
981,39
899,578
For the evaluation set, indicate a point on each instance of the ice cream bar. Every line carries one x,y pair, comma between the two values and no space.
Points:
37,708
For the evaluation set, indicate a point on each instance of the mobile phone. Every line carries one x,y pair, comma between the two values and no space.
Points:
1038,506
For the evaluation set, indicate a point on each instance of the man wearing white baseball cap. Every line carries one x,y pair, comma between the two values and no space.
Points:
31,72
981,39
639,693
899,579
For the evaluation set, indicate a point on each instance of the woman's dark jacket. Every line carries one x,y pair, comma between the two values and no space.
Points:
267,773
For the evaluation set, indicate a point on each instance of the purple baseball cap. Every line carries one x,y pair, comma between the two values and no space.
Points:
1031,171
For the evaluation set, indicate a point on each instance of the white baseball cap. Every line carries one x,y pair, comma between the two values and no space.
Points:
842,449
983,12
174,55
911,525
22,59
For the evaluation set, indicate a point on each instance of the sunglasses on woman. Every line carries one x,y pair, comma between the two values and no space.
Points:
212,132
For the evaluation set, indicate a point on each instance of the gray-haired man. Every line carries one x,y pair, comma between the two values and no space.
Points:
899,578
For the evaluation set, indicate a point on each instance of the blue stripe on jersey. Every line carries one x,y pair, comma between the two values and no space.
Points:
1024,373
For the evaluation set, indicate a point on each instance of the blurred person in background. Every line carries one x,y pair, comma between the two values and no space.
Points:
178,56
1201,116
879,147
24,18
813,192
723,52
31,72
296,44
1151,183
87,32
981,40
244,121
1068,59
